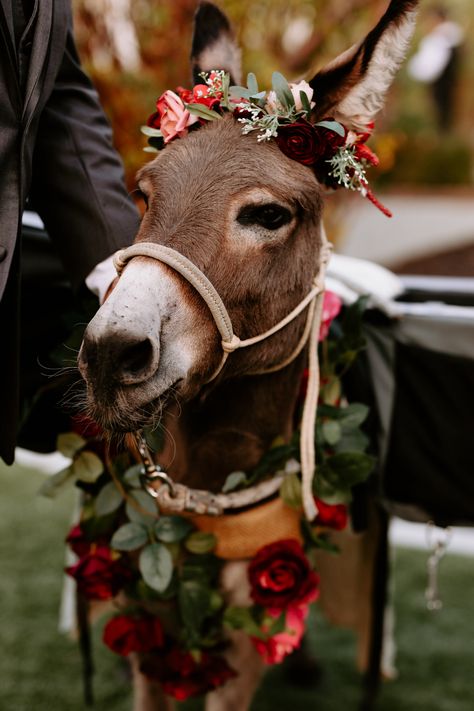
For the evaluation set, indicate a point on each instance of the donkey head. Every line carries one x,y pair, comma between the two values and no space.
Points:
246,215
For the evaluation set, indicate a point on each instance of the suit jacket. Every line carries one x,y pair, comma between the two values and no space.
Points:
55,148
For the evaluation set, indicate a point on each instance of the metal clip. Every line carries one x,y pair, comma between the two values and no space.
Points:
438,540
148,477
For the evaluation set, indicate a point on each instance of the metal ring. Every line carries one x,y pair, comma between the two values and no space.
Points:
149,477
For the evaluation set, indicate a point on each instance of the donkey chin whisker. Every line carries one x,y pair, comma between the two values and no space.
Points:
121,415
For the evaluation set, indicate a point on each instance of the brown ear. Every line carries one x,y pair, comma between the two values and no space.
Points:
352,88
214,45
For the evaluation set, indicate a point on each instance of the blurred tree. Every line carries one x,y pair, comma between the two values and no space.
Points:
135,49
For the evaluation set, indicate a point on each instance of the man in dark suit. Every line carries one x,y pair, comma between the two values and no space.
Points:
56,150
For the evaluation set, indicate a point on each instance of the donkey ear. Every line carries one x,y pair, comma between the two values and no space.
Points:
352,88
214,45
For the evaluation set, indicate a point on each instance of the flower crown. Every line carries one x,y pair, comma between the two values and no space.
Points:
339,157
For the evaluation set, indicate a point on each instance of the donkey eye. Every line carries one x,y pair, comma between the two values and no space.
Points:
271,216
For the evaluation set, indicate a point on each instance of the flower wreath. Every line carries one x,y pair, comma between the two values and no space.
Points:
338,156
163,575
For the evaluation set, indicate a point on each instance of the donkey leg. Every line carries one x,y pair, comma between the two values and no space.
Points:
241,655
147,695
237,694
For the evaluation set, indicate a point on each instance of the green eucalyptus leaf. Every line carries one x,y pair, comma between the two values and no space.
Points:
171,529
252,83
203,111
346,469
55,483
156,566
129,537
194,604
239,92
108,500
330,493
290,491
305,102
241,618
354,415
318,540
278,625
234,480
151,132
333,126
145,501
200,542
332,431
282,90
132,476
136,516
216,601
87,466
353,441
69,443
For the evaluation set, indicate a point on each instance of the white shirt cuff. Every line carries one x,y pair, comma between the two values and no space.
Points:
101,277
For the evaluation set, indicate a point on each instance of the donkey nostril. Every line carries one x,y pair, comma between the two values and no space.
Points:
136,358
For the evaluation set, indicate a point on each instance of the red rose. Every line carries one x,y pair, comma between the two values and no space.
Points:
181,676
200,95
331,515
124,634
299,142
98,575
329,141
154,120
185,94
280,575
78,542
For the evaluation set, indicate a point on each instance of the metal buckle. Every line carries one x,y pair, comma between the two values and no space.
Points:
148,477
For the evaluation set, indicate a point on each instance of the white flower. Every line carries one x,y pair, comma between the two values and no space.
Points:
306,89
272,105
351,138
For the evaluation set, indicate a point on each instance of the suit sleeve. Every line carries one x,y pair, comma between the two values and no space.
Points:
77,182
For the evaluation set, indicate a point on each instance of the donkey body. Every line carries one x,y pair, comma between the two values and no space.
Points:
249,218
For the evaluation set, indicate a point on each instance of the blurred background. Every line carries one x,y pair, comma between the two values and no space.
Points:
134,50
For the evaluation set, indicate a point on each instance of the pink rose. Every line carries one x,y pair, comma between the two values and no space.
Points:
331,307
306,89
174,118
276,648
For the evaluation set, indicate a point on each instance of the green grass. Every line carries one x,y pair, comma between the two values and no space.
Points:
40,669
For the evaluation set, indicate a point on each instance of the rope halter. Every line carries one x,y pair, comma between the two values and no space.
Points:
230,342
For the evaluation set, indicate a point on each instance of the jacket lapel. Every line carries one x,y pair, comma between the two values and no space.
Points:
6,39
39,50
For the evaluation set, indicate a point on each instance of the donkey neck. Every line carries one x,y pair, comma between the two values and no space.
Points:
230,428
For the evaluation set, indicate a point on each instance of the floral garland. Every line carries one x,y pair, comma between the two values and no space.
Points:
339,157
162,573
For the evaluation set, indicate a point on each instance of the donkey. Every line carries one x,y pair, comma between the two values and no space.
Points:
249,219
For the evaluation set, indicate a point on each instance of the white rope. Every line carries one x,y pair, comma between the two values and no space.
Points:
230,342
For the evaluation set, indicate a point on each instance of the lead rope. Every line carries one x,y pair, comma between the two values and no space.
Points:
230,342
